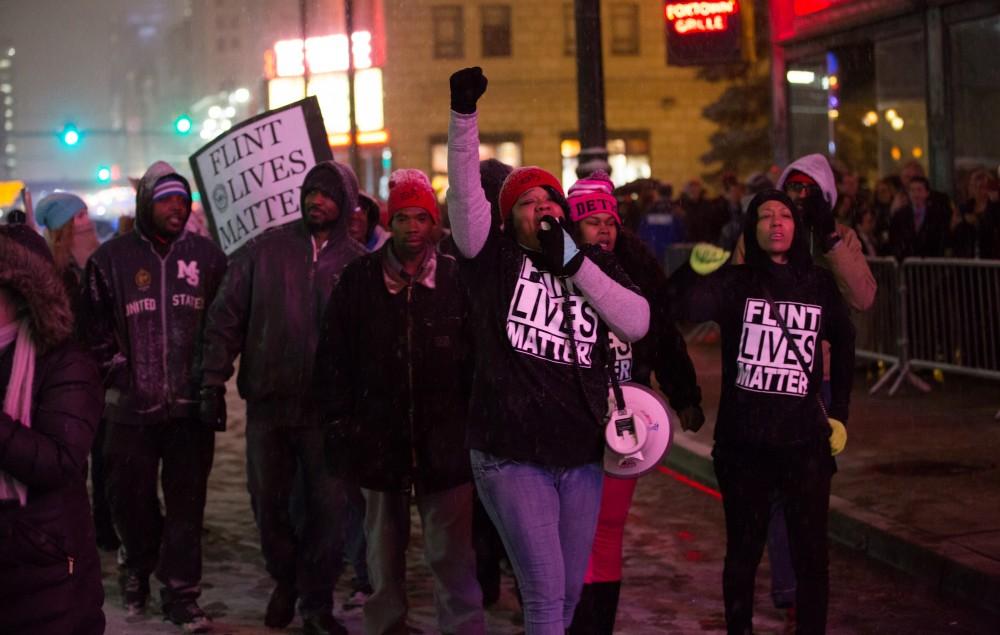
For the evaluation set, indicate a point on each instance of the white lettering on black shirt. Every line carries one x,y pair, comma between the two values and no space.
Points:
535,319
765,362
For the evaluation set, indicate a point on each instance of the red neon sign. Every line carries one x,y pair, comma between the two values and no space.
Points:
700,17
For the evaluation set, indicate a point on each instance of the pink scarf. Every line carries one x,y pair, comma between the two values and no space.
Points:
17,403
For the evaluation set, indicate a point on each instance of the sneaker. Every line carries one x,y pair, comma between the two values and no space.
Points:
358,597
135,591
188,615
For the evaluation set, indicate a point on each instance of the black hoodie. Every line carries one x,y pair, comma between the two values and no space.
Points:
767,401
270,306
143,314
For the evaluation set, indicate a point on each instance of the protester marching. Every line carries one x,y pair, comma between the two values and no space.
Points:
502,361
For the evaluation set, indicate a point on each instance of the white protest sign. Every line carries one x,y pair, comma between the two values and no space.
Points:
250,177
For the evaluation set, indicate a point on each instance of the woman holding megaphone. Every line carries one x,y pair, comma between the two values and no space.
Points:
541,309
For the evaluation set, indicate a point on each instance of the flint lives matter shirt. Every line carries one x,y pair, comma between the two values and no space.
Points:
541,373
767,399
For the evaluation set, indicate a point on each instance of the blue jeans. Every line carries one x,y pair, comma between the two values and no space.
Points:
546,517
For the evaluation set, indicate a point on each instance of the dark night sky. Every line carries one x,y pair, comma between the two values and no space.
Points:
63,71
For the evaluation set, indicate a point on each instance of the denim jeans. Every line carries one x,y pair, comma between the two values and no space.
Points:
546,517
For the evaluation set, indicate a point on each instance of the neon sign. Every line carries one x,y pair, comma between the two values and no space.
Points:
700,17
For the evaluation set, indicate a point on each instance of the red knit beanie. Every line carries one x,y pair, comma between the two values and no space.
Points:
411,188
520,181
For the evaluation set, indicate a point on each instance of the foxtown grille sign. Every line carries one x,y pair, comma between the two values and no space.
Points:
703,33
700,17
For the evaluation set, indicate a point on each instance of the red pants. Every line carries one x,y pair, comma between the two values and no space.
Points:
606,555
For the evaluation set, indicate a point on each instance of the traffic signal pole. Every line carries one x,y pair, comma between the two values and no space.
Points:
590,88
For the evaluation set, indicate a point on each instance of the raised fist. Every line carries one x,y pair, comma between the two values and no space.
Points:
467,86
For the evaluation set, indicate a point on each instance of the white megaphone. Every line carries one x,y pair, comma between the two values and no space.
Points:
637,434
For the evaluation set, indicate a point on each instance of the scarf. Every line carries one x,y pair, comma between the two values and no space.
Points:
17,403
396,279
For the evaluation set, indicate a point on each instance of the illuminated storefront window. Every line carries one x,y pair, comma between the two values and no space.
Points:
328,60
628,156
503,147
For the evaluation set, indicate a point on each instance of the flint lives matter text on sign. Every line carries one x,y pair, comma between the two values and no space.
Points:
250,178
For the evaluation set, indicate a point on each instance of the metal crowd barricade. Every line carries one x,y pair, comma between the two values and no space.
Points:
881,331
952,315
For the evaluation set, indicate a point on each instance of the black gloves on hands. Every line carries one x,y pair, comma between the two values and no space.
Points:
212,409
819,215
559,250
692,418
467,86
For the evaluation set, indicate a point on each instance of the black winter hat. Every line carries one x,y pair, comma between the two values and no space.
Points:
798,253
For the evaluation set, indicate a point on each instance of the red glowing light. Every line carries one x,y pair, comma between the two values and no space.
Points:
700,17
807,7
689,482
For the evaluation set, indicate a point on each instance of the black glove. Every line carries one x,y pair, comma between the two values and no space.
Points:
692,418
212,409
559,250
819,215
467,86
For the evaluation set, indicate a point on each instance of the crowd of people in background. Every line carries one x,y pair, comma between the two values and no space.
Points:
453,357
899,216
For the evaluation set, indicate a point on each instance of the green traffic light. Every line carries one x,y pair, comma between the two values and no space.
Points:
70,135
182,124
104,174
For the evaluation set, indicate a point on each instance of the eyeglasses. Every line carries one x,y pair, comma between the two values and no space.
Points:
797,187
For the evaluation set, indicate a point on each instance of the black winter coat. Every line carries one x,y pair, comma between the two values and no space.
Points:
50,541
663,350
930,241
269,311
143,316
50,574
393,379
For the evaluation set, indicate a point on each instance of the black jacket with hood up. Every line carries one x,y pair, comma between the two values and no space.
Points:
767,400
143,314
270,307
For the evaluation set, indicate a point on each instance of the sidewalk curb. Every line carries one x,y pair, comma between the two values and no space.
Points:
951,568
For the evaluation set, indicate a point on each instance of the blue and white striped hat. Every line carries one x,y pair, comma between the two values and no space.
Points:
169,186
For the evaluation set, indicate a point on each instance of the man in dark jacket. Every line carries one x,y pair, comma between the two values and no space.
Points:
923,227
393,377
50,391
272,299
143,316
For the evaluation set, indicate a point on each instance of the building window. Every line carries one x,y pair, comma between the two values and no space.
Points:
628,156
569,30
220,45
503,147
448,32
496,30
625,29
975,90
